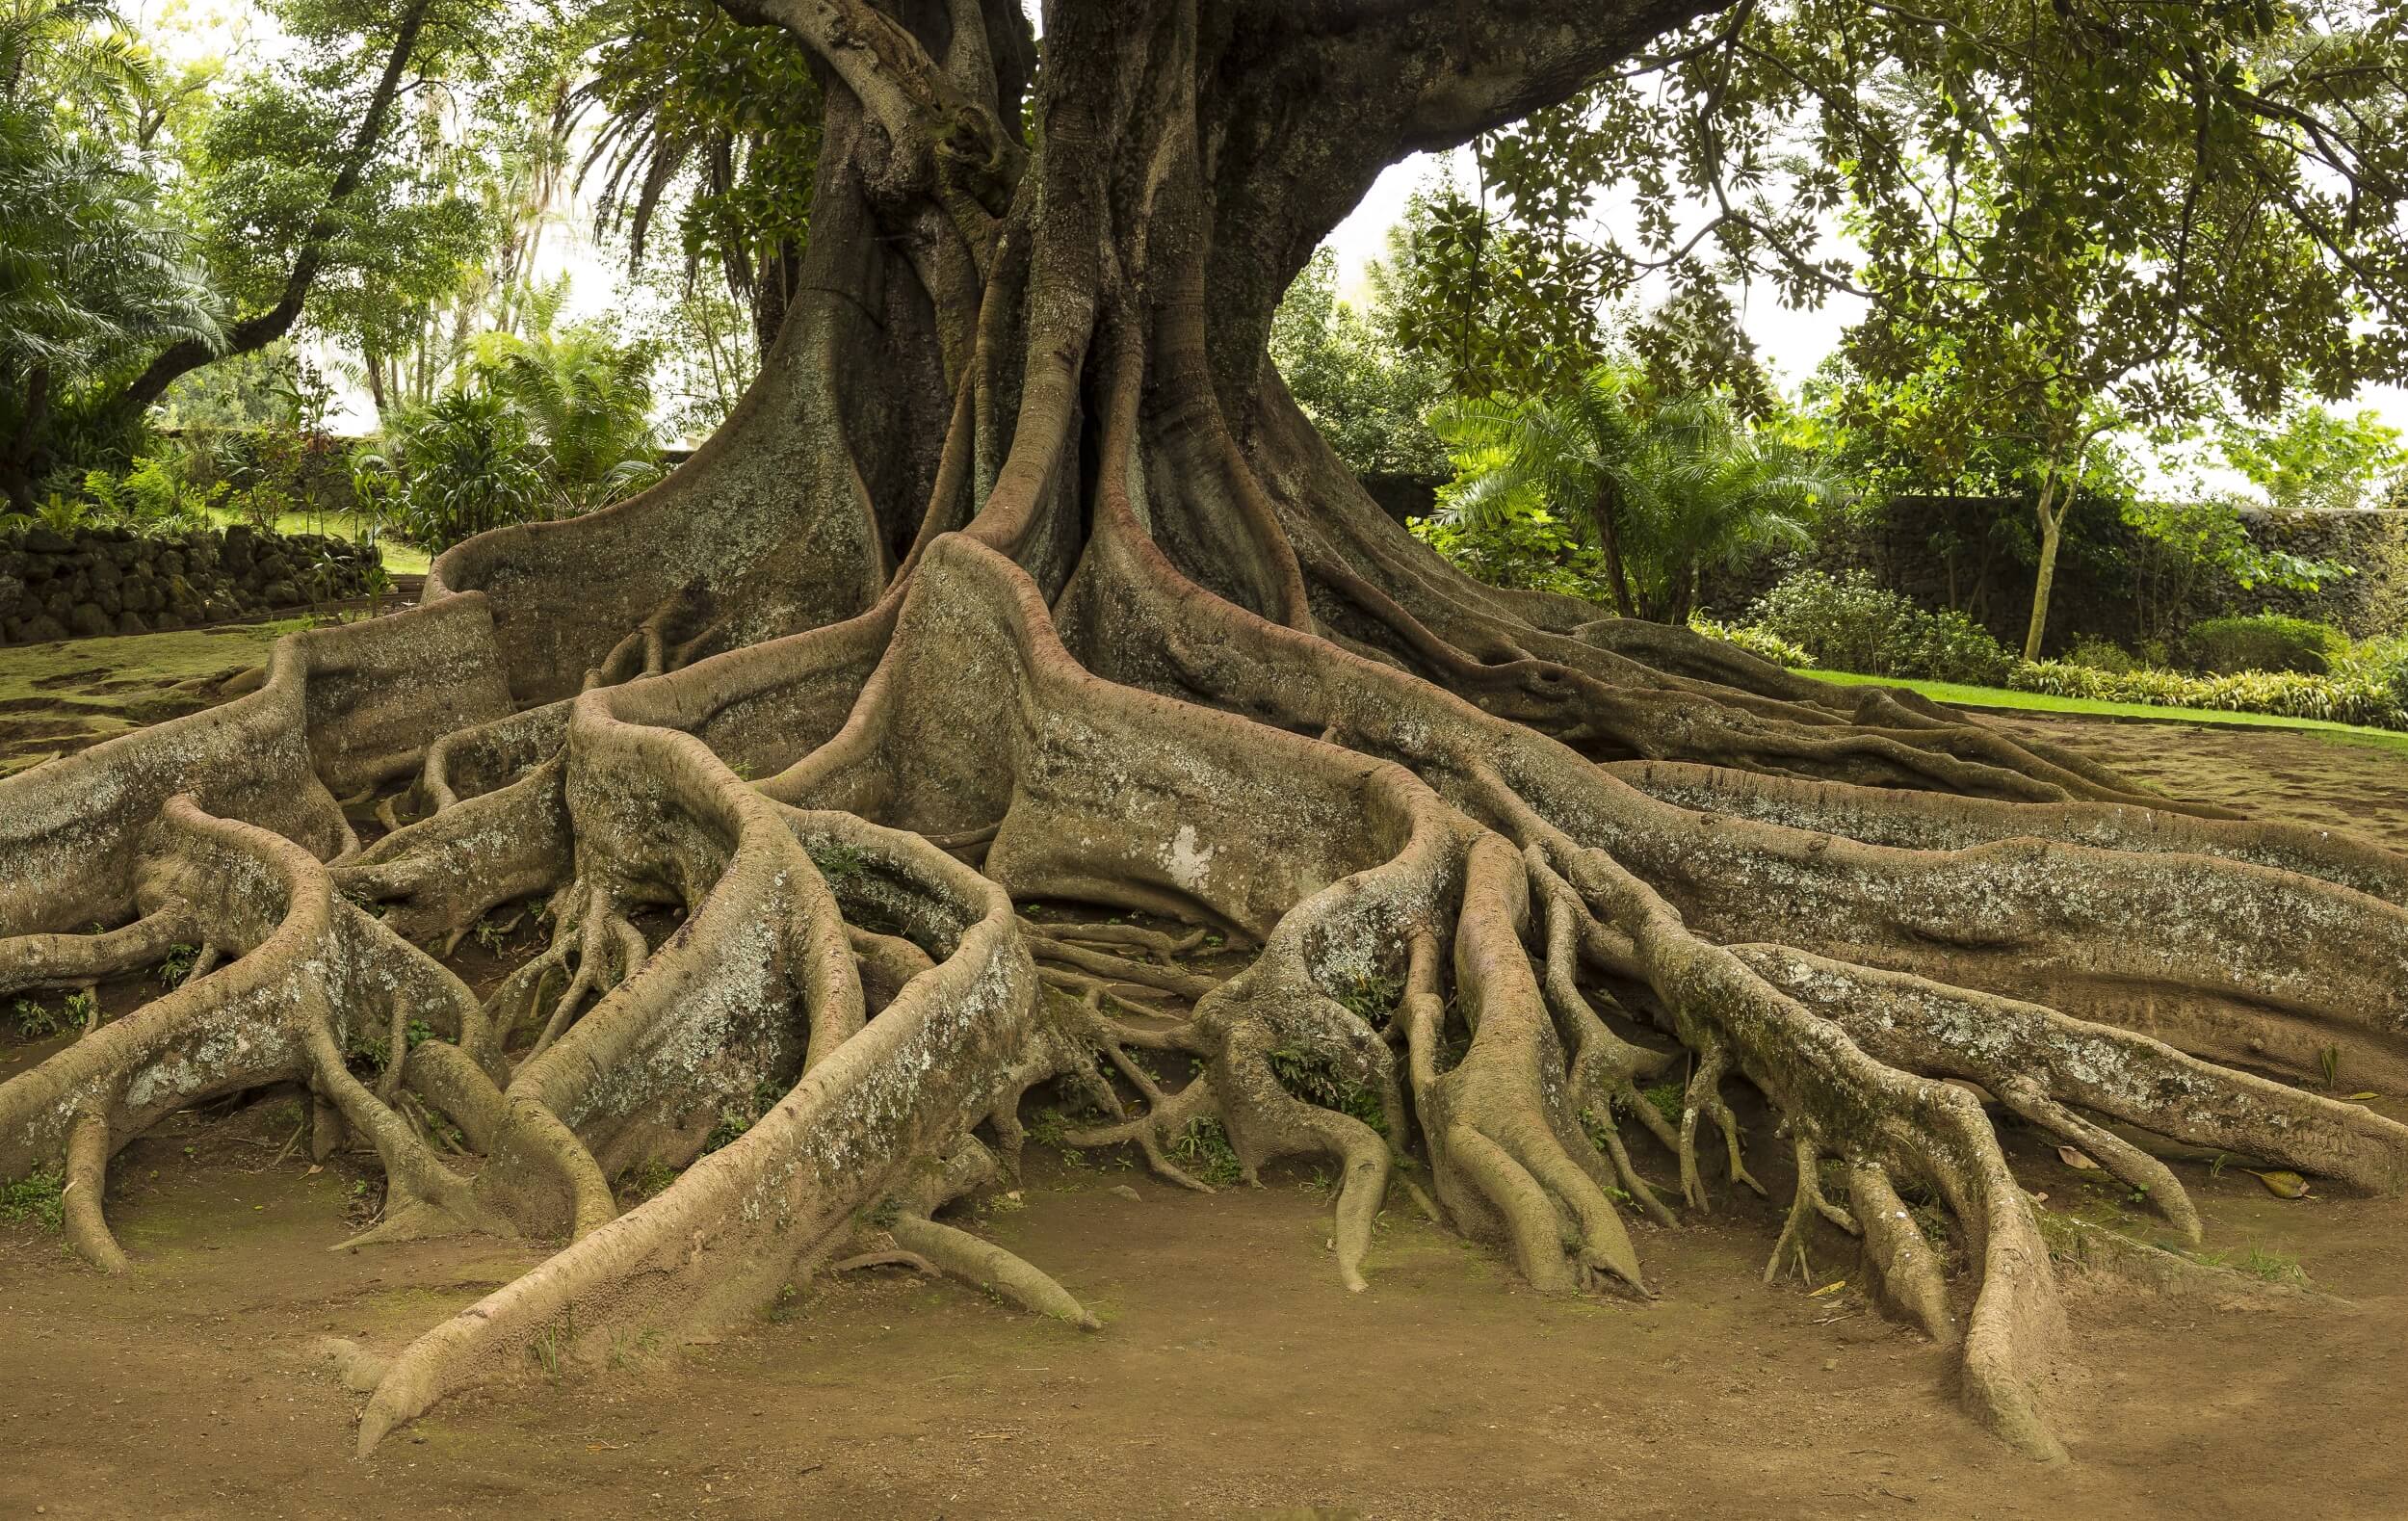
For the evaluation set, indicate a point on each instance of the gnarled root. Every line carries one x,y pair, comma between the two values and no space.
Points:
313,976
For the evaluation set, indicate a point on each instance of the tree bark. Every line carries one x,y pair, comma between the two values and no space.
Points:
1018,578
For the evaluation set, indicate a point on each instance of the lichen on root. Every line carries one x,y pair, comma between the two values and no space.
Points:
1019,601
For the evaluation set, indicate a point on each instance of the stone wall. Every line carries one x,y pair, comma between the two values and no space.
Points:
112,581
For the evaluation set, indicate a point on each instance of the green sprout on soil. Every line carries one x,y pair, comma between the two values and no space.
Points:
36,1021
82,1007
1203,1149
550,1341
37,1196
177,966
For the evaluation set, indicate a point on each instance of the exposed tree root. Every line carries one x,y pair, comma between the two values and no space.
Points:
1017,582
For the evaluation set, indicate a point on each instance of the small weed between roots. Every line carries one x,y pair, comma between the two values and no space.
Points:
1203,1148
737,1118
177,966
550,1341
2266,1267
36,1197
648,1177
2329,1060
838,863
37,1021
1668,1099
1370,997
1316,1081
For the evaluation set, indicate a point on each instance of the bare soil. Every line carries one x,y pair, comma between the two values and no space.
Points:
1233,1376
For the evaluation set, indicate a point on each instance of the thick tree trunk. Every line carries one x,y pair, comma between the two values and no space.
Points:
1018,577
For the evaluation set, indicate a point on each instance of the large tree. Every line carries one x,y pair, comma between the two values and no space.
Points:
1019,578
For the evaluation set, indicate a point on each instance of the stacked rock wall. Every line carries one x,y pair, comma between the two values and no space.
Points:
113,581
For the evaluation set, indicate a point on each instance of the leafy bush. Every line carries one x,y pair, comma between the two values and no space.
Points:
1851,622
2267,642
1532,550
1756,641
158,494
2100,654
1675,484
2345,698
464,466
2380,662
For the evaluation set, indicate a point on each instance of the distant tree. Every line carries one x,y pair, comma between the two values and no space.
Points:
1369,393
94,273
2314,456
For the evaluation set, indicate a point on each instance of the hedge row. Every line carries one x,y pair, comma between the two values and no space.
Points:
2286,694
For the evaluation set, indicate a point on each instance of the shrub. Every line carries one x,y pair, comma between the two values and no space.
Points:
2340,698
1851,622
1757,642
2382,662
157,494
1531,549
2100,654
465,466
2266,641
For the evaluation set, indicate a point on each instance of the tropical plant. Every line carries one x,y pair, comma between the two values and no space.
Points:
464,466
1366,392
1666,487
714,121
93,273
585,402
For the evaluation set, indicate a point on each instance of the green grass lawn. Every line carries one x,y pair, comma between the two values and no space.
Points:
400,559
1965,696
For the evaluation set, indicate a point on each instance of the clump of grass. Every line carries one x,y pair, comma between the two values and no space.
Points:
1308,1077
1203,1149
177,965
2271,1267
37,1196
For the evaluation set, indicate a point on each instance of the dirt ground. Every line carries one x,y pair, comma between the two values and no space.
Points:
1233,1376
